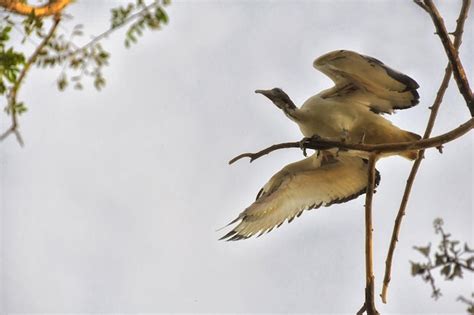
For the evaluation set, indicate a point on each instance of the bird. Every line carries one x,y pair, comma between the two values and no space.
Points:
349,111
304,185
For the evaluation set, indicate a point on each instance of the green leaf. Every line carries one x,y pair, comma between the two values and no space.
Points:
438,224
457,272
439,259
2,87
161,15
62,82
19,108
446,270
470,261
425,251
417,269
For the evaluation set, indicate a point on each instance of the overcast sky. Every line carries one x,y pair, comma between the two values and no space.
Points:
113,203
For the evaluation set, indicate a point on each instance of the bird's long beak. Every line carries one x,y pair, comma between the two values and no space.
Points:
267,93
280,99
263,92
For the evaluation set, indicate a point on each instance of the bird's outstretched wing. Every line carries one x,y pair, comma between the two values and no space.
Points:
300,186
366,80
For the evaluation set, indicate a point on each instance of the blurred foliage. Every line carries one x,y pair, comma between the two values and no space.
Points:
77,63
469,302
61,50
11,61
149,18
450,257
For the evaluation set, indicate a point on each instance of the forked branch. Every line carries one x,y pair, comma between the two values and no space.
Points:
451,52
13,92
411,178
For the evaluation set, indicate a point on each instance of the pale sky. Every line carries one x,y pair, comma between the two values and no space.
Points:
113,203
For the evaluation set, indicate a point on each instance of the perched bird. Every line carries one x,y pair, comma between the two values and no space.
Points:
349,111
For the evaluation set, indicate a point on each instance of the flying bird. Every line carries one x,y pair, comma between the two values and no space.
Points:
350,111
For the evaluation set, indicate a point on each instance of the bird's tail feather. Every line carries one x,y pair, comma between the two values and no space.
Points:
410,136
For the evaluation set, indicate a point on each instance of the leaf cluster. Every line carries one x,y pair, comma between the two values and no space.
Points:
468,302
32,25
449,257
76,63
11,60
150,17
58,50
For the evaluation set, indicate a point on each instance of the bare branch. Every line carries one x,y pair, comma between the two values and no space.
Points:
322,144
22,8
458,69
12,95
411,178
256,155
369,304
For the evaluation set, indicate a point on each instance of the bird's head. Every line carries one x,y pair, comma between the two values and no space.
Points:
278,97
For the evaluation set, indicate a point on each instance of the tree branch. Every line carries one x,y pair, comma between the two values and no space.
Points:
107,32
322,144
369,305
22,8
458,69
421,4
12,95
411,178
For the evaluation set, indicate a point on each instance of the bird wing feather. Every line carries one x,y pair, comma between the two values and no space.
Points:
366,80
289,193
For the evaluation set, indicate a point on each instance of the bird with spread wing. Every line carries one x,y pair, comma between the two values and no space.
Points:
350,111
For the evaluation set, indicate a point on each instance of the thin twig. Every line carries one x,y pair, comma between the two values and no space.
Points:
322,144
112,29
421,4
458,69
429,127
369,264
436,291
12,95
361,310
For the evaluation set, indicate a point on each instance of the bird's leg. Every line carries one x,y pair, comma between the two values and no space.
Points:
344,136
303,143
306,140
